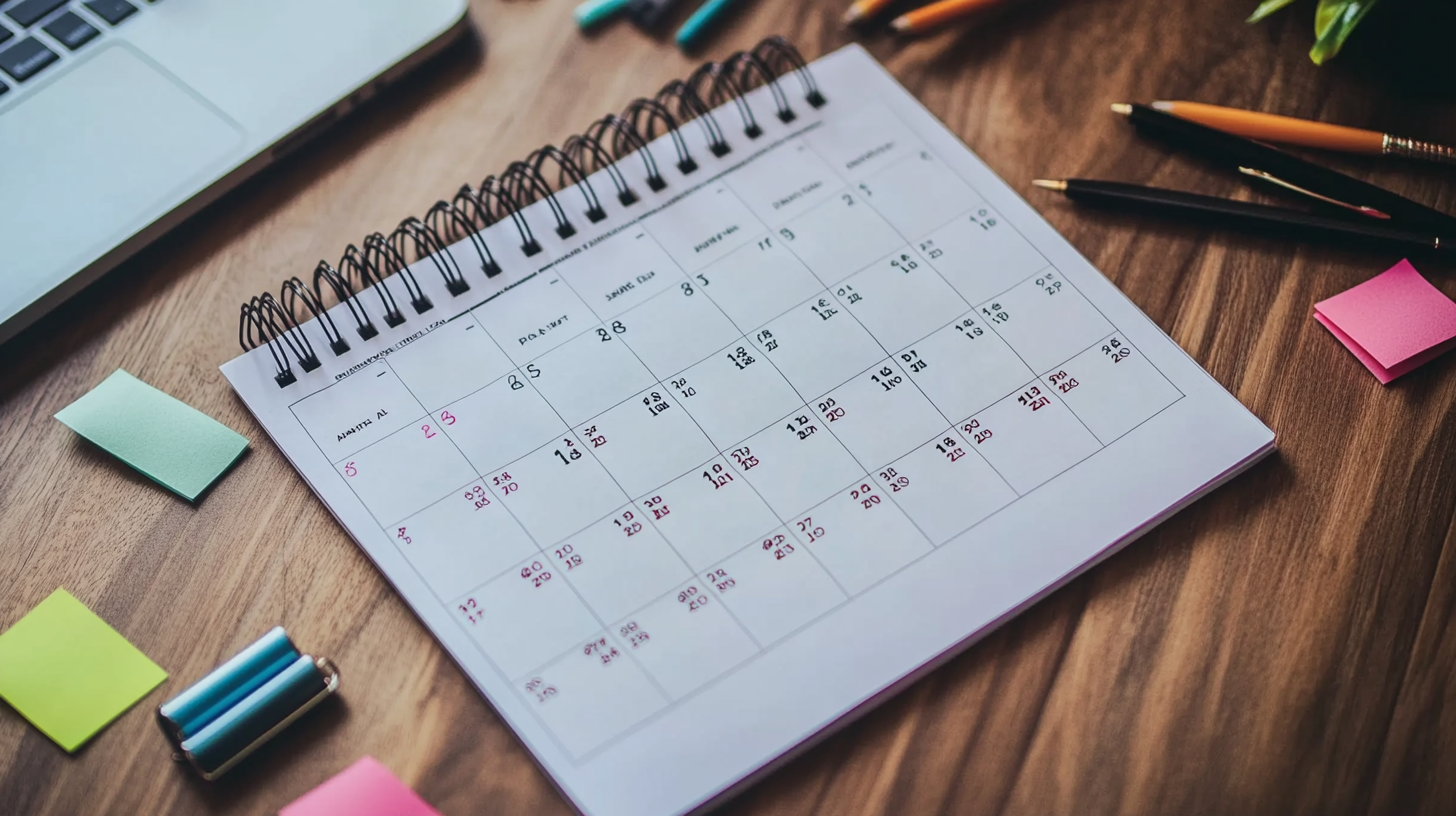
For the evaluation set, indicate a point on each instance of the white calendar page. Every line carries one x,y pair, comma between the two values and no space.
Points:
686,489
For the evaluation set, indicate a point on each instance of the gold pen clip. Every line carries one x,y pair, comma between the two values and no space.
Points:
1260,174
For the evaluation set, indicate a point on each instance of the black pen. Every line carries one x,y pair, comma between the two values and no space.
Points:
1277,220
648,14
1295,173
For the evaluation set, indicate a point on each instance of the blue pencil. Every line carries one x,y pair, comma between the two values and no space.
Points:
703,19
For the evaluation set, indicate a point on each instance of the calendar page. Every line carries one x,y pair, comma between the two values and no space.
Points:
688,488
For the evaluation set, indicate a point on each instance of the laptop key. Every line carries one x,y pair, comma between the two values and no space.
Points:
3,88
112,11
29,12
5,34
71,30
25,59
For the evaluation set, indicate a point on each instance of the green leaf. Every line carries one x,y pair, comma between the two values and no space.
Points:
1267,8
1333,22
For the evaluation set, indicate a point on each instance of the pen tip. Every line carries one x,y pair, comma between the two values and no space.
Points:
901,24
1163,105
853,14
1122,108
1048,184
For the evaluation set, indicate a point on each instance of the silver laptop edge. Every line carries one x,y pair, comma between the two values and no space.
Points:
123,138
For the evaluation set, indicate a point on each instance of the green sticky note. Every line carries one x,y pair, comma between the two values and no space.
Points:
69,673
170,442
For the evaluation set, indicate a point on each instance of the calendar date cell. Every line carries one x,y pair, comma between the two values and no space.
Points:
863,143
597,692
758,282
405,472
880,414
357,411
1045,320
557,489
734,393
817,345
621,272
964,366
619,563
860,535
537,316
1029,437
794,180
796,463
523,622
501,422
901,284
712,511
778,586
462,540
942,474
839,237
646,441
706,225
1112,387
980,254
685,639
918,193
450,362
677,328
591,373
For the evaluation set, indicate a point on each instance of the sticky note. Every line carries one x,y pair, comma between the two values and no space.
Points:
170,442
69,673
1394,323
365,788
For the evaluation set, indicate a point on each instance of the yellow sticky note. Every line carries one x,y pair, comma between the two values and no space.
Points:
69,673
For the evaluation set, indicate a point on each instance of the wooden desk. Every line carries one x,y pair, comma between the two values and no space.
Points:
1284,646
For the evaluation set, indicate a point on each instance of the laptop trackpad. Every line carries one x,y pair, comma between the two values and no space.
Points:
108,147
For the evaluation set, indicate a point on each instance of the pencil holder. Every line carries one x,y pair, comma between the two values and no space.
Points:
245,702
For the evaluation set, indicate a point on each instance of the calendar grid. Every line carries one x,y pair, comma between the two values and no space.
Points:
614,327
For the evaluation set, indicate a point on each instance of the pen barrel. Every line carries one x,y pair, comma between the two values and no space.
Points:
1417,149
1240,152
206,700
1261,217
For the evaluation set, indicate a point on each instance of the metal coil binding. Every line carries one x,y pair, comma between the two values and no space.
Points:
279,324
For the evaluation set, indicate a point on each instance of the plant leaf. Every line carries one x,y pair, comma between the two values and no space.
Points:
1333,22
1267,8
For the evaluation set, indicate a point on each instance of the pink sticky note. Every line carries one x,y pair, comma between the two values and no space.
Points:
365,788
1395,322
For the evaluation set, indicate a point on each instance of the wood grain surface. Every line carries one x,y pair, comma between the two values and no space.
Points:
1285,646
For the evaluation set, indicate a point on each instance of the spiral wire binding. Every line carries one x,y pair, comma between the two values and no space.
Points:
277,323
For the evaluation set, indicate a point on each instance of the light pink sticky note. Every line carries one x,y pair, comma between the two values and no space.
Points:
1395,322
365,788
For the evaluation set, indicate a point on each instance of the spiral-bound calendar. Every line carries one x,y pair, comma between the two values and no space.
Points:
700,434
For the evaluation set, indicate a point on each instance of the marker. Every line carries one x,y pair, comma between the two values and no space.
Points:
595,12
703,19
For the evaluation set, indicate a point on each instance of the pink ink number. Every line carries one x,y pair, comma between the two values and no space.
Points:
476,495
429,434
350,470
808,528
447,418
693,598
472,611
403,537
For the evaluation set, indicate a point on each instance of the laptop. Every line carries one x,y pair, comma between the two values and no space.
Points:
120,118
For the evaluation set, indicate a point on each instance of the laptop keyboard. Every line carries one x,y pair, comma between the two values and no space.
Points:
34,33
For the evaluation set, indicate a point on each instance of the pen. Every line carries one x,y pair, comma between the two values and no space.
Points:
1278,220
864,9
1289,130
594,12
936,15
697,25
1236,152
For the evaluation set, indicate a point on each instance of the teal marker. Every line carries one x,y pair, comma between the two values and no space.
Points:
703,19
594,12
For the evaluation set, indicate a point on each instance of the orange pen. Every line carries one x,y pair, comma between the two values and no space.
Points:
1267,127
864,9
937,14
